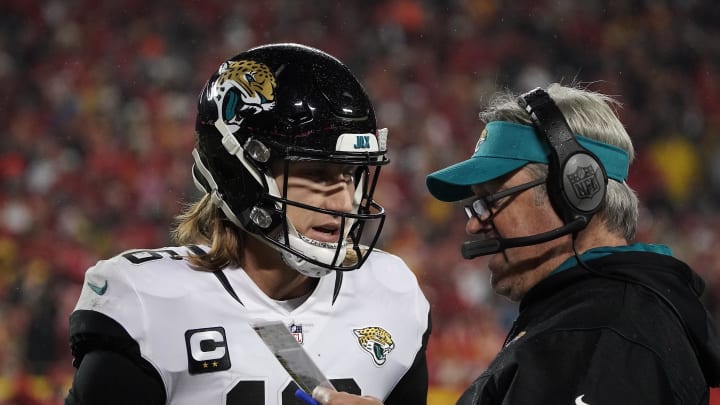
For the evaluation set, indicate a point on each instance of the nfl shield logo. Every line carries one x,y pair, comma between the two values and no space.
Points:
584,182
297,331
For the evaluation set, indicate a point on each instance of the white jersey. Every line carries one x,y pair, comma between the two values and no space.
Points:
363,328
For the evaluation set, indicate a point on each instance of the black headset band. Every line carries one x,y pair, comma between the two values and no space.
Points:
569,161
548,118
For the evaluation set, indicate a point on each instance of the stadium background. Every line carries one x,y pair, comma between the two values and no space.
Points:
97,116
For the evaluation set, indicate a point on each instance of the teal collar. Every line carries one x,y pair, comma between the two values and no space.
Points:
606,250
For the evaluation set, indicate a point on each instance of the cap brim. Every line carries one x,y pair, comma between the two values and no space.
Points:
453,183
507,146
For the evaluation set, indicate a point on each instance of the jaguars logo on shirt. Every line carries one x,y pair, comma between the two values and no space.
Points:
376,341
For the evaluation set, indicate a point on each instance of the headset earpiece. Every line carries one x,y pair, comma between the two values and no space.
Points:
577,181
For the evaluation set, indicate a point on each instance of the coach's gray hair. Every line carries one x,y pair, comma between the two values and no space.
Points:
594,116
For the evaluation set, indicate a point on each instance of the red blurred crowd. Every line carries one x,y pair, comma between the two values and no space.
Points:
97,124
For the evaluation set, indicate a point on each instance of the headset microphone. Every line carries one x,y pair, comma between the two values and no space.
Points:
474,248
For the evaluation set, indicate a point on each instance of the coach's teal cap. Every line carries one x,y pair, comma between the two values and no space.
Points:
506,146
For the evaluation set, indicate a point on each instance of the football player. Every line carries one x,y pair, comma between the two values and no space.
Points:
288,156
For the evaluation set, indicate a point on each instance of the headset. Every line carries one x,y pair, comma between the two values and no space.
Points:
570,163
576,185
576,181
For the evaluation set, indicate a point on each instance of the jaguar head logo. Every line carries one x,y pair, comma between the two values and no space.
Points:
243,88
482,139
376,341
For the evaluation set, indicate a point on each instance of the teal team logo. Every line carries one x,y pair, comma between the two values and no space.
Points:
243,88
482,139
376,341
362,142
207,350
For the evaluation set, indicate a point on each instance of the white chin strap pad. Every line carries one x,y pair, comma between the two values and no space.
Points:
322,254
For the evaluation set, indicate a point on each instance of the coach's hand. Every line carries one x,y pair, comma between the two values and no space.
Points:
329,397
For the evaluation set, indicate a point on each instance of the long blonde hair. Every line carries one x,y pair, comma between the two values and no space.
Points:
204,223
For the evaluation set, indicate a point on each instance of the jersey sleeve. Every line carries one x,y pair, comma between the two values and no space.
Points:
110,378
109,289
108,318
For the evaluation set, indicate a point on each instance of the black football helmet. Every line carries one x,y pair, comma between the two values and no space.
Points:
289,102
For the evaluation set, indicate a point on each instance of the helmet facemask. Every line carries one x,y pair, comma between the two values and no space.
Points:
356,233
268,220
270,108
